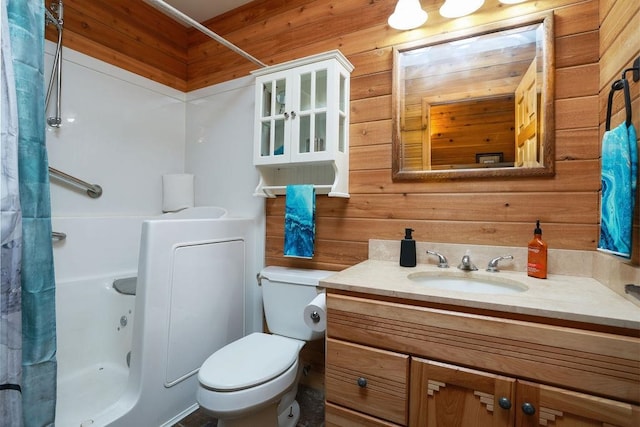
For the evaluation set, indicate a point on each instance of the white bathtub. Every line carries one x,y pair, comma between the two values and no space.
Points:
196,292
94,334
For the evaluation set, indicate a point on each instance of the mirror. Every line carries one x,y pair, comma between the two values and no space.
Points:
475,104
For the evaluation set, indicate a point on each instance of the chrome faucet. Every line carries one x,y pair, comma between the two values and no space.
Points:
442,260
466,264
493,264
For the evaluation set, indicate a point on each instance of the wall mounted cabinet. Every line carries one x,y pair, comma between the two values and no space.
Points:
301,133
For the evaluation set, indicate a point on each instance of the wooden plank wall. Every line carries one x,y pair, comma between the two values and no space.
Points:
619,47
490,211
135,37
129,34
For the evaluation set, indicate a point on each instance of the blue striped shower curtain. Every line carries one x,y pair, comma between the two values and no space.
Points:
28,391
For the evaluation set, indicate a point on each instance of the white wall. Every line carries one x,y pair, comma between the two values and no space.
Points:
123,132
219,151
120,131
219,146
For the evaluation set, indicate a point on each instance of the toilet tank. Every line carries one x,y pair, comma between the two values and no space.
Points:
285,293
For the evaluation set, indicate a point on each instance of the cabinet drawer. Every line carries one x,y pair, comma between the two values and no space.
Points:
367,380
337,416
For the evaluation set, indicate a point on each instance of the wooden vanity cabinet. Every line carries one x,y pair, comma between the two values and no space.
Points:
434,367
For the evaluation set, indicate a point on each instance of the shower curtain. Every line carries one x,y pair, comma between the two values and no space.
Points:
11,243
28,391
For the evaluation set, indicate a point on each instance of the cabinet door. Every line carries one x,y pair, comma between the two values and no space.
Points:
446,395
541,405
273,119
309,127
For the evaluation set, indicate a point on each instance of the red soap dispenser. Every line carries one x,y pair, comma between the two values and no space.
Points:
537,255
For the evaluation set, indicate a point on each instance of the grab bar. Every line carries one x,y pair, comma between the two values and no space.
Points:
58,236
93,190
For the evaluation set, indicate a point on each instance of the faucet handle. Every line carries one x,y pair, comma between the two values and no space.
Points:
493,264
442,260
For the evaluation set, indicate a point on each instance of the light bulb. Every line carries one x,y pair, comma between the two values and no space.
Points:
407,15
458,8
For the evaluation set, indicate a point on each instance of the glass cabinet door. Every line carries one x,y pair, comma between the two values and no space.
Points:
273,118
342,114
312,127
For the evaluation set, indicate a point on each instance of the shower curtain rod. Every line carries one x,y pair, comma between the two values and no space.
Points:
175,13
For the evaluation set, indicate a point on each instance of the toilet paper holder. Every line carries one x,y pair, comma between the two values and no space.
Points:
315,316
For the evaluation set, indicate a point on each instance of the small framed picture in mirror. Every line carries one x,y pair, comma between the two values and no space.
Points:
487,158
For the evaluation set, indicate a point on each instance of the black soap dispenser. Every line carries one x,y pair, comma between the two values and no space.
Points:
408,249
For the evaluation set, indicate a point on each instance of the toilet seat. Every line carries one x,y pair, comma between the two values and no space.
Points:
248,362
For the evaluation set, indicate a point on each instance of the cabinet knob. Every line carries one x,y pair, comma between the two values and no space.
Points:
293,114
504,403
362,382
528,408
286,115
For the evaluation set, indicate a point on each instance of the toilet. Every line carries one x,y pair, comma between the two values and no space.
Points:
253,381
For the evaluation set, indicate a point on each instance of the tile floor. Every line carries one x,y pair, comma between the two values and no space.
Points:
311,411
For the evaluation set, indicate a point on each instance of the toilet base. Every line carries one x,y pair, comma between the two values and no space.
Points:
266,417
290,416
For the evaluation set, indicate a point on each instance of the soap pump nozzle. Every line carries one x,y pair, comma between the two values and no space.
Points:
537,230
407,233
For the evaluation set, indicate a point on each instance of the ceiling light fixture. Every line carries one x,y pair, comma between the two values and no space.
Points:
407,15
458,8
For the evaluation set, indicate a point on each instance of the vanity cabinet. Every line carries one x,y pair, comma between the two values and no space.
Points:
473,369
301,133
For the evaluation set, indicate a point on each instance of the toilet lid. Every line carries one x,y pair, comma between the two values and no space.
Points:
249,361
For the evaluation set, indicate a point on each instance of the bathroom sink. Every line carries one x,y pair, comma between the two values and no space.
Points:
464,283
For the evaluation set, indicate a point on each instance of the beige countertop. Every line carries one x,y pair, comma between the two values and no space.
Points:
581,299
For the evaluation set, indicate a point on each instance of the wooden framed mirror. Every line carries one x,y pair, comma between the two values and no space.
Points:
476,103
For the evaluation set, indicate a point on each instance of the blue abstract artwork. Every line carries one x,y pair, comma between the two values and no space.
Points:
619,183
299,221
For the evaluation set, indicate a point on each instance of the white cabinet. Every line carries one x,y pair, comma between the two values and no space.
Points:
301,133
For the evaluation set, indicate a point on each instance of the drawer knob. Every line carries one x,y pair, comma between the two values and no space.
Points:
504,403
362,382
528,408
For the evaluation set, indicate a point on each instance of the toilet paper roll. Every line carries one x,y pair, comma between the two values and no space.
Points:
315,313
177,192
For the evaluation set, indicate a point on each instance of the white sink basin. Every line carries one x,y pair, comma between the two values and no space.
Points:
463,283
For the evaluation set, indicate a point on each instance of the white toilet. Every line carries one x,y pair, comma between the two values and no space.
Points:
253,381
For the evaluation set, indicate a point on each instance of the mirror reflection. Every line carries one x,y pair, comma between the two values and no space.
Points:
475,105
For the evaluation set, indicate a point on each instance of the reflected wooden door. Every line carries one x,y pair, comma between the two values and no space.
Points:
527,119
